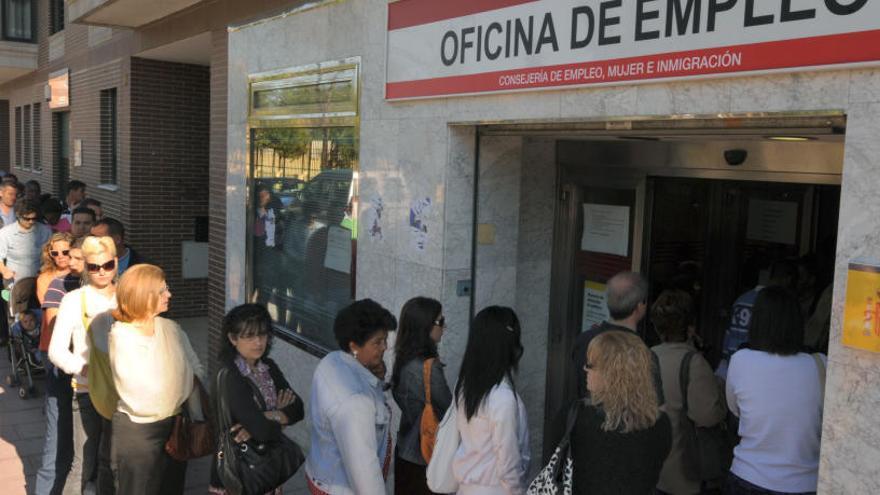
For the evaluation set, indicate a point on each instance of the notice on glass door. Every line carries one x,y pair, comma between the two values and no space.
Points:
772,221
595,305
606,229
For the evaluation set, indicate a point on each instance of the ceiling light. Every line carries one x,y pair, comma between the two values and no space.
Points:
790,139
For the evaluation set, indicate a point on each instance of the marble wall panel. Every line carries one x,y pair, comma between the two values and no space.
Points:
864,86
610,101
827,90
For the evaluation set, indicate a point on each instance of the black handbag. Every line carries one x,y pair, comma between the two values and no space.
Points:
708,451
251,468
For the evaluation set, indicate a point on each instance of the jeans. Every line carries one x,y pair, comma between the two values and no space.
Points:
738,486
91,449
58,447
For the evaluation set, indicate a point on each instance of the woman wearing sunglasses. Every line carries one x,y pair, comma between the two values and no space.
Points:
83,319
420,329
56,262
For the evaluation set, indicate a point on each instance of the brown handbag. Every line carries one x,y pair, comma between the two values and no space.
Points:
429,423
191,439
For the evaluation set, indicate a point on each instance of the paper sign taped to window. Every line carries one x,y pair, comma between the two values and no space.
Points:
772,221
606,229
595,305
338,256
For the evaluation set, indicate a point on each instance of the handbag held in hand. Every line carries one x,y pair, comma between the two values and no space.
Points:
192,437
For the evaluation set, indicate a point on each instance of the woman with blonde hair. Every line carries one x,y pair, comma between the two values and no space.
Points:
81,327
58,263
55,261
153,367
621,439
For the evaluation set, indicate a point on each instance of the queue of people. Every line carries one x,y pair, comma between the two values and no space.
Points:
120,377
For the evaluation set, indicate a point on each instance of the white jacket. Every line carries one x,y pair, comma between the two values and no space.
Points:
493,457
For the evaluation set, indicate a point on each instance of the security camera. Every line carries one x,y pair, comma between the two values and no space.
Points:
735,157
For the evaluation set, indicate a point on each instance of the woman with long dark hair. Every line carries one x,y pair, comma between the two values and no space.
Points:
493,456
420,329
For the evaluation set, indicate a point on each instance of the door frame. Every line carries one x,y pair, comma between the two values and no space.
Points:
567,229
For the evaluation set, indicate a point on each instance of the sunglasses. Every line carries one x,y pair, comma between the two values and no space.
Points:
56,254
94,268
441,322
28,219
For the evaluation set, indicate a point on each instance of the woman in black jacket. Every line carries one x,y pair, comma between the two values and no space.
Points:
249,372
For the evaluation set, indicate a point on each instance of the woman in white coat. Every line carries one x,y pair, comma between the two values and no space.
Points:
493,456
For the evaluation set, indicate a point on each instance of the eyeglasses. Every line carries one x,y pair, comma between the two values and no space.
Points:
588,367
56,254
28,219
440,322
108,266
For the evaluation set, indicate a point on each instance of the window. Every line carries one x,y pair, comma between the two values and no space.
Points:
56,16
18,140
26,146
37,138
303,185
108,136
18,20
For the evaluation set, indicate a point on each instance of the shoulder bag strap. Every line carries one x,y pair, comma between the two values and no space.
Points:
684,378
820,369
83,310
224,416
426,377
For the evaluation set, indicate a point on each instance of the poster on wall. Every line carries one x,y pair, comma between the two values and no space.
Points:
606,229
595,305
861,314
772,221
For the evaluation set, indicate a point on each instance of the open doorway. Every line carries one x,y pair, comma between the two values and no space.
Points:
666,198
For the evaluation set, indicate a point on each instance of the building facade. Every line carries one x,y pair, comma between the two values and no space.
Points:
388,177
475,195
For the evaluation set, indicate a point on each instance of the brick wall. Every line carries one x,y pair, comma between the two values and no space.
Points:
4,136
217,200
169,144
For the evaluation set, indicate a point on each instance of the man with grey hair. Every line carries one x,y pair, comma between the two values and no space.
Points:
626,295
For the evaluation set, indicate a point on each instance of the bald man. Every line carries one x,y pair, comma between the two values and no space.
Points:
627,297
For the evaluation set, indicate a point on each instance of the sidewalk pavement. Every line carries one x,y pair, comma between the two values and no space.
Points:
22,432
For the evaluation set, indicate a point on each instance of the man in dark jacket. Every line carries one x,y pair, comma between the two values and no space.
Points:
626,295
113,228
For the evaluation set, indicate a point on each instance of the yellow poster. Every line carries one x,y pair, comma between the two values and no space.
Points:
861,316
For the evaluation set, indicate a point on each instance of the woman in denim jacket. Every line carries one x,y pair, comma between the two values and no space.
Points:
350,419
421,328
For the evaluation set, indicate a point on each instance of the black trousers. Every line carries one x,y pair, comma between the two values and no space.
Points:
138,459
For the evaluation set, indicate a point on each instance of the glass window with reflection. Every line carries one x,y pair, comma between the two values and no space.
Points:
303,227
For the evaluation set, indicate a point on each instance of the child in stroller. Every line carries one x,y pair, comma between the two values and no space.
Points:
28,331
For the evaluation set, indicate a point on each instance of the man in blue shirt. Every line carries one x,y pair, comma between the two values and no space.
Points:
782,273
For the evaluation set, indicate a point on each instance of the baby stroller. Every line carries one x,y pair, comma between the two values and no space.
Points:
24,336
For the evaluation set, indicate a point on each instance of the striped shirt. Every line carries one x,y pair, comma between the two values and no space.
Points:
54,294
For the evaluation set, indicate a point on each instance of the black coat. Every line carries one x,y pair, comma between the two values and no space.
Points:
246,408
